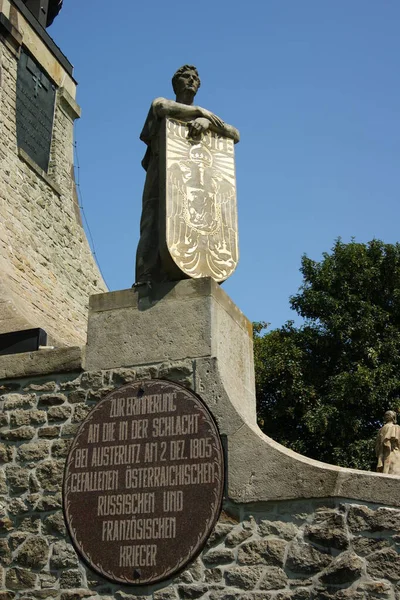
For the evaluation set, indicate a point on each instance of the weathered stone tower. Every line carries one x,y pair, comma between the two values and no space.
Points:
47,271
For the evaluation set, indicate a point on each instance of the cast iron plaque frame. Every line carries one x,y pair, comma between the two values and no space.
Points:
143,482
36,95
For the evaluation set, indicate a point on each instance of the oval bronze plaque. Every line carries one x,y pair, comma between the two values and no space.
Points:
143,482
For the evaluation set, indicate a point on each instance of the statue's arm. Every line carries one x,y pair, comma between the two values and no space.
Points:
202,124
168,108
226,131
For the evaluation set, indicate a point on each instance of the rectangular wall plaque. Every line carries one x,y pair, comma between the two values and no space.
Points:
35,110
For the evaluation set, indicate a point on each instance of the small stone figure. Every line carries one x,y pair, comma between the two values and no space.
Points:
185,83
388,445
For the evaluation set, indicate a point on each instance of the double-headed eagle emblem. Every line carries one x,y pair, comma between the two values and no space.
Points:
201,217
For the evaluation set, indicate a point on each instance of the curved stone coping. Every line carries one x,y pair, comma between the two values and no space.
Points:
260,469
42,362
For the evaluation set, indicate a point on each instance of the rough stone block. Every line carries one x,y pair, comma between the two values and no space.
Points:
51,431
52,399
191,592
346,568
6,525
45,386
80,413
305,560
386,519
27,417
219,556
213,575
270,552
274,578
328,529
5,553
63,556
244,578
365,546
46,502
20,579
29,524
70,579
384,564
168,593
376,590
55,524
6,453
22,433
14,401
9,386
7,595
360,518
70,429
17,478
78,594
17,507
286,531
237,536
33,451
220,531
50,474
59,413
92,380
60,448
16,538
33,553
77,396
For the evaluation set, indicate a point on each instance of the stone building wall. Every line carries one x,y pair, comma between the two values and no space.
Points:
310,549
47,271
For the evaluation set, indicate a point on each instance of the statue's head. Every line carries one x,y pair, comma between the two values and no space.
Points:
390,415
186,78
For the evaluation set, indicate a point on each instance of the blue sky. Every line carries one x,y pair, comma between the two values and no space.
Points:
312,86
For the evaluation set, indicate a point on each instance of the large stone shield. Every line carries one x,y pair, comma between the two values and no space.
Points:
199,233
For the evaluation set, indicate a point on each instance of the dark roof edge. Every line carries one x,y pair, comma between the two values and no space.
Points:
42,33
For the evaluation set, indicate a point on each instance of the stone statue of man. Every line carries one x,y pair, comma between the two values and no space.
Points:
388,445
185,83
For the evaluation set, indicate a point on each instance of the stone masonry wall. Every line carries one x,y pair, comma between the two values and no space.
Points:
47,271
289,550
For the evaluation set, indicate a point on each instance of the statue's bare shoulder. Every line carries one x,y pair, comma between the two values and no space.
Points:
159,105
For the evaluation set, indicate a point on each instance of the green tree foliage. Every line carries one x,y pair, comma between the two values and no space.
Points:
322,388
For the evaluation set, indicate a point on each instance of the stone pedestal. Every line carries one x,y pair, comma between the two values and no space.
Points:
192,327
193,321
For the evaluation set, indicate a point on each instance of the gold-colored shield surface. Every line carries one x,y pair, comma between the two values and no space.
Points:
200,218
